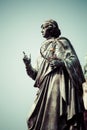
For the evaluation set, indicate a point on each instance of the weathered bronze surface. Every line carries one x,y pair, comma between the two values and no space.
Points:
59,77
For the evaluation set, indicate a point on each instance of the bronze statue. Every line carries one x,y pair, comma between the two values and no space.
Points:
59,77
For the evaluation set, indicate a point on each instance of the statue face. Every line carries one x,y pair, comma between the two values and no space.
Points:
46,28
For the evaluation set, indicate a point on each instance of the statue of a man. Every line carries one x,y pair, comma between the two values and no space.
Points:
59,77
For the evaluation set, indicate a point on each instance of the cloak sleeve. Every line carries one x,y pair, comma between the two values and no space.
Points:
72,64
31,71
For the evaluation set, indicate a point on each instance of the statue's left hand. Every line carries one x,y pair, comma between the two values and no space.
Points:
55,63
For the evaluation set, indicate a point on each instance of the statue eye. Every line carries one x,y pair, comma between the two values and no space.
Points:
46,26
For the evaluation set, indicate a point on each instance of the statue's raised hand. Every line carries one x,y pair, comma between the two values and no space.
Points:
26,59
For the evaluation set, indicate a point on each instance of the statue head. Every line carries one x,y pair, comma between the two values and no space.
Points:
50,29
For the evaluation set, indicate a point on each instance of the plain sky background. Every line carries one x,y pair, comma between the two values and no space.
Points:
20,22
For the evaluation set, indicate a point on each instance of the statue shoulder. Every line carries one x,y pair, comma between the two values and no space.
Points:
65,42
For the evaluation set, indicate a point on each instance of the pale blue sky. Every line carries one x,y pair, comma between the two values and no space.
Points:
20,22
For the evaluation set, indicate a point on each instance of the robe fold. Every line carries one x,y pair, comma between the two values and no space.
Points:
59,98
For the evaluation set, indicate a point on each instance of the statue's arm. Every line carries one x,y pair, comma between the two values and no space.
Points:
72,63
29,69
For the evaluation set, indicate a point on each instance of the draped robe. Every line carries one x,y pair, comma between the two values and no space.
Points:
58,101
